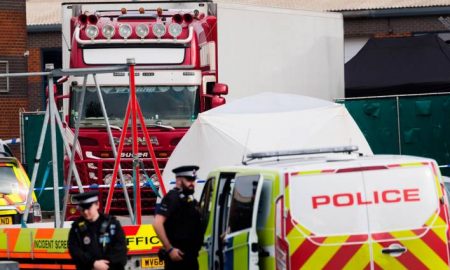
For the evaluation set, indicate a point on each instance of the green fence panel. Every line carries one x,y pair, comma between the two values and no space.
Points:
377,119
408,125
32,123
425,127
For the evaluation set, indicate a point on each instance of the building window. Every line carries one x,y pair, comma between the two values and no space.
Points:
4,82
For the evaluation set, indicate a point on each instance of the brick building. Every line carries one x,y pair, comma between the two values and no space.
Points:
14,94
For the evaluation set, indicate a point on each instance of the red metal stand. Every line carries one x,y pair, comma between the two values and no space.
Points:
134,109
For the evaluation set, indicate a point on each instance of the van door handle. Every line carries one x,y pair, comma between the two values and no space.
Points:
390,250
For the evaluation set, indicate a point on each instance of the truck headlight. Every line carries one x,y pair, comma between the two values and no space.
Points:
108,31
92,31
159,30
125,30
175,30
142,30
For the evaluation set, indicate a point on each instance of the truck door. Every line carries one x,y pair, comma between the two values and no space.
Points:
407,217
240,241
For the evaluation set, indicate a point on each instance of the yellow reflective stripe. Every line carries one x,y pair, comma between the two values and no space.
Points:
8,212
310,172
438,185
432,221
441,232
412,164
14,197
360,260
385,261
3,202
286,197
24,240
421,250
295,238
323,253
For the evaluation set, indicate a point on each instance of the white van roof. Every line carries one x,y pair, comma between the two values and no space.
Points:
330,161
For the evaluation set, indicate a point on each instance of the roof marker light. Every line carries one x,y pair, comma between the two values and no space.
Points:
82,18
91,31
142,30
159,30
187,17
159,11
108,31
175,30
92,19
141,10
177,18
123,10
125,31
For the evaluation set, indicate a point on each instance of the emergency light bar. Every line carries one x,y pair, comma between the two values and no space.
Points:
133,41
343,149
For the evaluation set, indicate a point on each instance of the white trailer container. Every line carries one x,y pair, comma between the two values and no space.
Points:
280,50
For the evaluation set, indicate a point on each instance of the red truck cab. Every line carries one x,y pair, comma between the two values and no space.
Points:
174,46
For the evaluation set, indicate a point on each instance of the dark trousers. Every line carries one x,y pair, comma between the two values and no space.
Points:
185,264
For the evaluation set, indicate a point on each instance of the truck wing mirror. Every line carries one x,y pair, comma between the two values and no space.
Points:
220,89
216,101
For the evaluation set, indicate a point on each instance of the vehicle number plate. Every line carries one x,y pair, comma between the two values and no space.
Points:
152,263
5,220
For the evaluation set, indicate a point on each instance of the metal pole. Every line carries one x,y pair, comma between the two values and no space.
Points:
151,151
118,158
70,154
113,147
36,166
76,133
72,158
53,146
134,132
399,134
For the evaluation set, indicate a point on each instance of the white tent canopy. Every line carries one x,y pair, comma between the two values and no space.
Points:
264,122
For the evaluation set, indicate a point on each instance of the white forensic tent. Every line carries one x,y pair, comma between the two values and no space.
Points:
264,122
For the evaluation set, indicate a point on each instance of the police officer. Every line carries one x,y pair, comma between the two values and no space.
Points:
177,222
96,241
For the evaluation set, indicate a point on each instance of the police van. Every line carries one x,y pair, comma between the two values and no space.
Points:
325,209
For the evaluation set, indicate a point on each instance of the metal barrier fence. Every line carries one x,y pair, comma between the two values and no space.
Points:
407,124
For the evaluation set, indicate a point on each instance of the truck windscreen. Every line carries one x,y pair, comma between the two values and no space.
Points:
175,106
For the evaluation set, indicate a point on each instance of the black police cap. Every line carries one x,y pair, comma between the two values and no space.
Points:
189,171
86,198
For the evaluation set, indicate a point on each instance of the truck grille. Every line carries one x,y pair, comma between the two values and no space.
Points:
96,174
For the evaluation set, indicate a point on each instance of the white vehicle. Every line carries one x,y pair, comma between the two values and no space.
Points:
264,49
326,211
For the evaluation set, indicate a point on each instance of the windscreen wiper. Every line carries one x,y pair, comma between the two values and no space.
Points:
159,125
